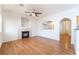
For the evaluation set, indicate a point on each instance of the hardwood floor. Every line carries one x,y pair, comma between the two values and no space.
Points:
34,46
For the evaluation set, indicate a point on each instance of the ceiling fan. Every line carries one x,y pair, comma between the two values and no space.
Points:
34,13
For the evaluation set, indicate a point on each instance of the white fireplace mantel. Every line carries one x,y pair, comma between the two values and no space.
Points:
24,29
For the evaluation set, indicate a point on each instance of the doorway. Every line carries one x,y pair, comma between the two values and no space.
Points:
65,33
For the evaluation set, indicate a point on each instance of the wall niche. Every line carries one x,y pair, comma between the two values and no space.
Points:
24,22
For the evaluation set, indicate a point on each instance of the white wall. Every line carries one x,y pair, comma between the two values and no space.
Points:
54,34
76,36
11,24
33,24
0,21
0,28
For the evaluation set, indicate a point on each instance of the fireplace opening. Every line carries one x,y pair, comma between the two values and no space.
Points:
25,34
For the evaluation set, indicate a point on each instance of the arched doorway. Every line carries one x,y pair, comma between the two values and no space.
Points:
65,33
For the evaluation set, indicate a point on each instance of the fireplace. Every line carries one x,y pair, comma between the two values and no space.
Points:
25,34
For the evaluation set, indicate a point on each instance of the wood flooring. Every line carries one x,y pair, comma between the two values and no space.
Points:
35,46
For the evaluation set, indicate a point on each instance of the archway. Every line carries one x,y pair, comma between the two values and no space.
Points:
65,33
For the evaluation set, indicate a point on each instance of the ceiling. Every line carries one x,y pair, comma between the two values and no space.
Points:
45,9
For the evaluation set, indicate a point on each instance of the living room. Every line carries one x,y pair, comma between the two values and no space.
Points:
38,21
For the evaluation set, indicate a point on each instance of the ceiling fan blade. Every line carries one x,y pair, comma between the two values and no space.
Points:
30,15
38,13
22,5
33,12
27,12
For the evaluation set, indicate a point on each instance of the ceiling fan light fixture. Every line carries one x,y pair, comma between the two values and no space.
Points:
33,14
22,5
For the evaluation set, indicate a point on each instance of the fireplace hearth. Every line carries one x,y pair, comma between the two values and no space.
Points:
25,34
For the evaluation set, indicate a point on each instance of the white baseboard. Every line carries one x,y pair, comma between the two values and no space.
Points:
10,40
